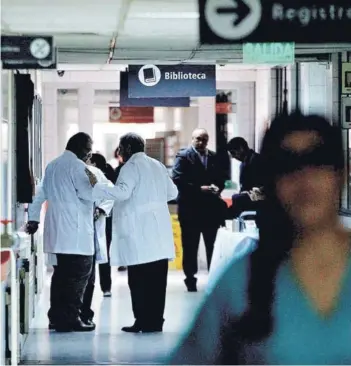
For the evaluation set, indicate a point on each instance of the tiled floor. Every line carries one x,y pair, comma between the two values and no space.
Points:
108,344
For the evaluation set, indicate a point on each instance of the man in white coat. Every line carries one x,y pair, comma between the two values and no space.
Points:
142,237
68,230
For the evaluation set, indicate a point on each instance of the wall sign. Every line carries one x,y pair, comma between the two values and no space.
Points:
23,52
178,81
131,114
346,113
224,108
125,101
305,21
269,53
346,78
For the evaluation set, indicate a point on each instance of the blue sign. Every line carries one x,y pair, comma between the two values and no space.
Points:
173,81
125,101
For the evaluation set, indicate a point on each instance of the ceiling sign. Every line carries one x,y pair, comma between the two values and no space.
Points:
28,52
346,78
304,21
124,100
269,53
171,81
131,114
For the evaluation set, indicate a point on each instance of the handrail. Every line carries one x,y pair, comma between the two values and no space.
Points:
14,312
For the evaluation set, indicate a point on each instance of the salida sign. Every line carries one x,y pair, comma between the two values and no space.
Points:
306,21
151,81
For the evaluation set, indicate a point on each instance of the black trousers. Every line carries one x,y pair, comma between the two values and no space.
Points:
105,272
68,285
86,312
190,241
148,283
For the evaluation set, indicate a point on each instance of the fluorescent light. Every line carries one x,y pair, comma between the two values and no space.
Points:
164,15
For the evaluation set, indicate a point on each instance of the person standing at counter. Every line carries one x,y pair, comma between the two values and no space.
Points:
200,180
142,237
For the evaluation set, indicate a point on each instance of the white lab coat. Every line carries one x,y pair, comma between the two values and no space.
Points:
141,223
41,197
68,225
100,224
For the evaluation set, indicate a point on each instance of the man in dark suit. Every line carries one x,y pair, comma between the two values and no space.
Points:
200,181
250,176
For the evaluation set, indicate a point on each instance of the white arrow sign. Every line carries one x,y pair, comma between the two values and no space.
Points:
233,19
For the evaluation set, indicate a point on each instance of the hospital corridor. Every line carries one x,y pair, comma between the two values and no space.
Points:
175,182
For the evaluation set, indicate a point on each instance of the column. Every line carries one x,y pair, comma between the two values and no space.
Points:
207,118
168,118
188,118
245,115
50,122
262,105
62,125
86,109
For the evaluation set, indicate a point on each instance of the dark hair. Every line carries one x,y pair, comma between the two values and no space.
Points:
136,142
237,143
276,229
100,162
78,142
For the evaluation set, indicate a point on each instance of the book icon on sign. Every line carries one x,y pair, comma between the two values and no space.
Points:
149,75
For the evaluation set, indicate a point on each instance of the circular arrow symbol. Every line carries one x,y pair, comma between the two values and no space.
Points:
233,19
40,48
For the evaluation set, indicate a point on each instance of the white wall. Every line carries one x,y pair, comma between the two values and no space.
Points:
83,112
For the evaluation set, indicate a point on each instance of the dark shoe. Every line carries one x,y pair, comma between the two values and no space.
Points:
133,329
122,269
77,326
89,322
152,329
107,294
52,326
191,284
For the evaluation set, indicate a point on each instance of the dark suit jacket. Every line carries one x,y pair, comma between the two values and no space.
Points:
189,174
251,174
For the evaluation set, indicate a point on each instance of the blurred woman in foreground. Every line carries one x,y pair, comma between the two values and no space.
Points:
290,301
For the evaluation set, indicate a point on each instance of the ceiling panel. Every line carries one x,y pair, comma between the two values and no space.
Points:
152,31
53,16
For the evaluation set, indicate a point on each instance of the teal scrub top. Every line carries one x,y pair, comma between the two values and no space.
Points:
300,335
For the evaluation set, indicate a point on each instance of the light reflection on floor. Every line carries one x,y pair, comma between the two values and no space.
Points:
108,344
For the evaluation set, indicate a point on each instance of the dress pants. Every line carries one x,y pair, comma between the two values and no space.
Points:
86,311
68,285
55,297
105,272
147,283
190,241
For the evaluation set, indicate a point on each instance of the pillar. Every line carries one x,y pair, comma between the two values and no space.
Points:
50,122
207,118
86,95
188,120
62,125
